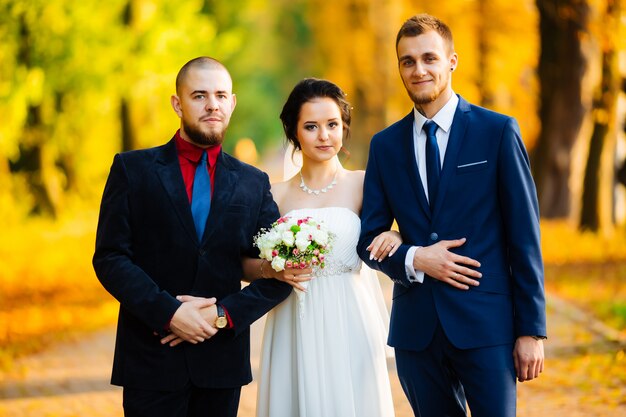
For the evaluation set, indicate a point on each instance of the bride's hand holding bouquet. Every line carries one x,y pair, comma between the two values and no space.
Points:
292,275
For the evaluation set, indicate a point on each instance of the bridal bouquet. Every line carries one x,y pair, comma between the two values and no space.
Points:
294,243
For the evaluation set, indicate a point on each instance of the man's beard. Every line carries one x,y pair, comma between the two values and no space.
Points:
204,139
426,98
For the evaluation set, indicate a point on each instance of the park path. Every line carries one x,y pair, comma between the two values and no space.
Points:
71,379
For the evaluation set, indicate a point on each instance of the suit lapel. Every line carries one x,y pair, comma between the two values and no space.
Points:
226,177
455,140
168,170
411,162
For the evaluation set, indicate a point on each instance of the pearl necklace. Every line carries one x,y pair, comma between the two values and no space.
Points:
321,190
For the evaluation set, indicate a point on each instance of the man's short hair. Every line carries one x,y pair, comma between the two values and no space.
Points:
200,62
422,23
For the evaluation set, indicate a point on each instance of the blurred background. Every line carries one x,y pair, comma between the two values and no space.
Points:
81,80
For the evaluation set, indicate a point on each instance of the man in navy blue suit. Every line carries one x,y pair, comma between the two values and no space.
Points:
468,315
178,219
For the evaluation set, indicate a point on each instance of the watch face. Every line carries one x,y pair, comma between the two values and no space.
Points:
221,322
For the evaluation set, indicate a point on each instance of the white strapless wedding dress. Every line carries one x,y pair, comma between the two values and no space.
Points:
324,355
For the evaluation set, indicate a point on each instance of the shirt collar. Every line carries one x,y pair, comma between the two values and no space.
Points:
193,153
443,118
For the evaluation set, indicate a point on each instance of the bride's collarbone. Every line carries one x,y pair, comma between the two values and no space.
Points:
342,195
307,203
315,204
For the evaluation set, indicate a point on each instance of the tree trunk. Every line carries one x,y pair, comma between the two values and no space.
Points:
621,172
590,215
561,68
66,159
129,141
604,113
128,133
30,162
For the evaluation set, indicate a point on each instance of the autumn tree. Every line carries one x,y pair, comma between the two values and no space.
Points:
43,46
127,130
31,157
82,79
354,47
598,187
267,48
562,65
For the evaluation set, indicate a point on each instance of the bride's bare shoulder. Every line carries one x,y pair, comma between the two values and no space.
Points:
279,189
356,177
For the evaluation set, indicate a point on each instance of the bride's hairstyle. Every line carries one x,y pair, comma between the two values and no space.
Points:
305,91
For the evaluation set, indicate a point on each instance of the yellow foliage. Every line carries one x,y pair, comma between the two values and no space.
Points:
497,43
562,243
41,255
47,284
597,375
34,84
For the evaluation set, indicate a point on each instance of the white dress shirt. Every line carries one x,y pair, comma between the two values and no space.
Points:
443,119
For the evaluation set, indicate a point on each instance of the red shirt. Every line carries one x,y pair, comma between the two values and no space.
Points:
189,157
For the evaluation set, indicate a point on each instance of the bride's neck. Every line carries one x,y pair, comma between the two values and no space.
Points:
320,172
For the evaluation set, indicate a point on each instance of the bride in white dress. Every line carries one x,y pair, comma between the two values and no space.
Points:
324,353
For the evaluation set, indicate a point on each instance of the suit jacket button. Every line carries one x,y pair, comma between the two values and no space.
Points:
434,236
202,252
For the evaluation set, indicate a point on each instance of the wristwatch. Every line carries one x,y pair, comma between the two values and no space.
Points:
221,321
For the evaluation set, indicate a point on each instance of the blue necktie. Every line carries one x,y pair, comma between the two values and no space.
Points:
433,162
201,196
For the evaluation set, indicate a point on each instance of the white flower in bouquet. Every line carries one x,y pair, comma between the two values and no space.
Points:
278,264
303,239
281,227
320,236
288,238
273,238
267,254
265,248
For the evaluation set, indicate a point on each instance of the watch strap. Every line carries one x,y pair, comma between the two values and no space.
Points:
221,321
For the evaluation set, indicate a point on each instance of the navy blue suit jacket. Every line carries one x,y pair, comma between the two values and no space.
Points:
147,252
487,195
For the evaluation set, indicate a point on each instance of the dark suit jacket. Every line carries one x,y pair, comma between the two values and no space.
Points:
147,252
487,195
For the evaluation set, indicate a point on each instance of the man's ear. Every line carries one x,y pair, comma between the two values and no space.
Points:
454,61
175,101
234,103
